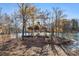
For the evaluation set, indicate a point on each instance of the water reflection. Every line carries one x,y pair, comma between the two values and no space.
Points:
75,37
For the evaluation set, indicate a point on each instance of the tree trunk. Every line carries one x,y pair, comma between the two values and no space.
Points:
33,29
23,29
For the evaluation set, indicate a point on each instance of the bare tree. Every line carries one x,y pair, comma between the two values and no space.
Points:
58,15
23,11
33,16
15,17
7,23
43,15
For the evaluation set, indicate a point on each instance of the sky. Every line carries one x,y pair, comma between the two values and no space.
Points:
70,9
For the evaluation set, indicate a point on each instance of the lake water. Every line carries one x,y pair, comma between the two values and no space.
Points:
75,37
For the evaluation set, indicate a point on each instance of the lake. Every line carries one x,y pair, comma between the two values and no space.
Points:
75,37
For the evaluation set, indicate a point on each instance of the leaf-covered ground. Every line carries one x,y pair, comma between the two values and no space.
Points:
31,47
